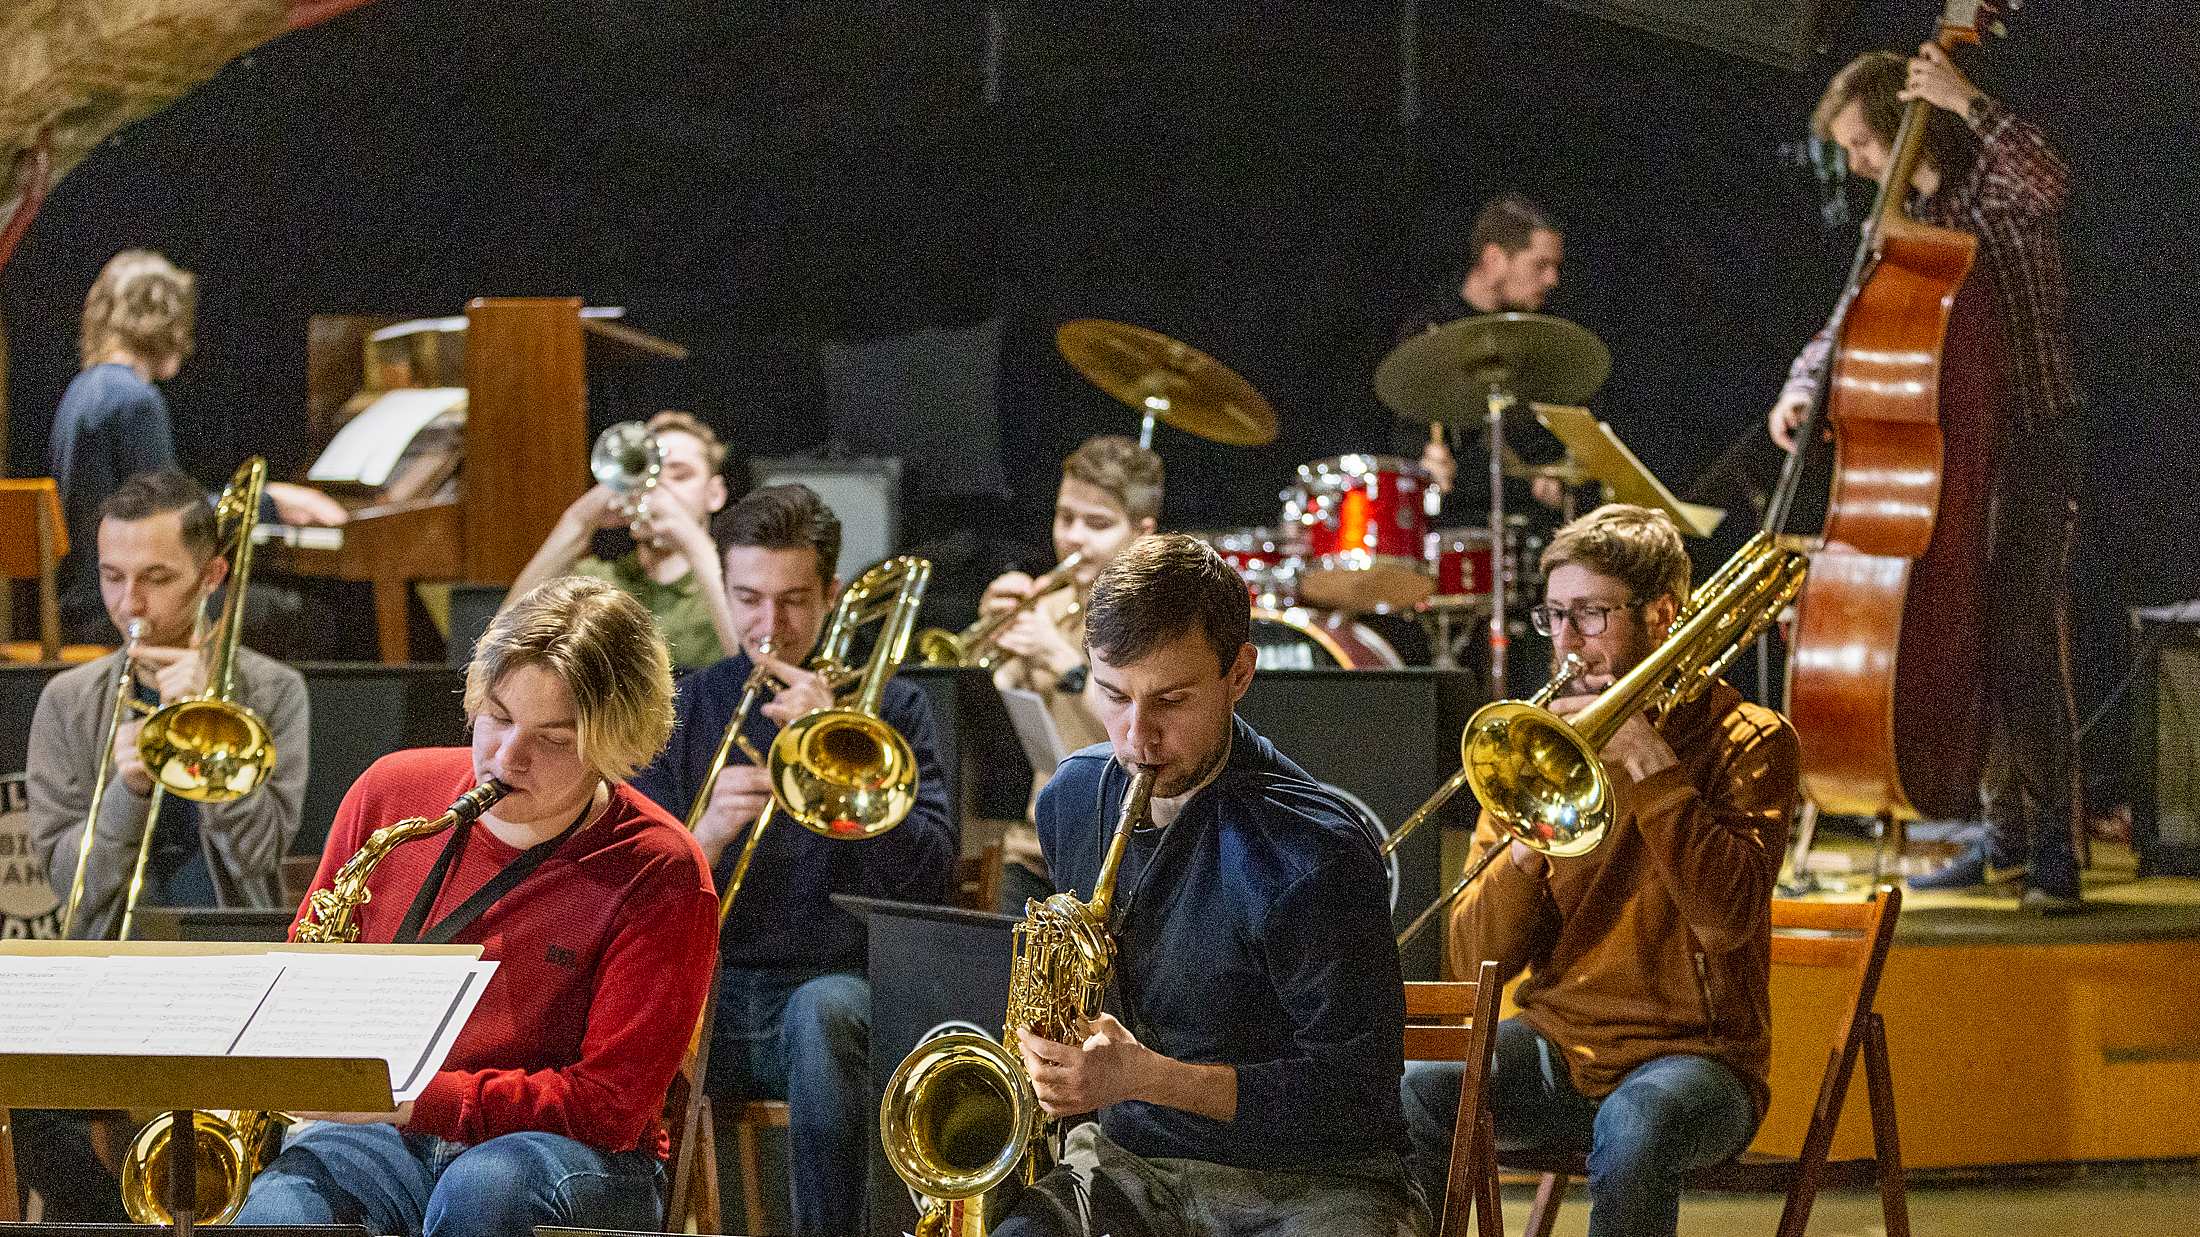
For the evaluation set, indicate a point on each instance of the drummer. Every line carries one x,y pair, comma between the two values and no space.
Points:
1517,246
1110,496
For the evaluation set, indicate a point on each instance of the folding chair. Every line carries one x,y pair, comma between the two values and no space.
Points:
1464,1018
1855,935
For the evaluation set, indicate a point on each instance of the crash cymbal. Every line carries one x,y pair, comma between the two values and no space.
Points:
1446,373
1174,383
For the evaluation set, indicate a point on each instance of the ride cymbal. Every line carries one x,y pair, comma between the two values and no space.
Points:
1447,372
1172,382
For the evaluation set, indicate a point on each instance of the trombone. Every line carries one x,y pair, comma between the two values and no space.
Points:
124,703
1539,776
978,645
210,748
841,773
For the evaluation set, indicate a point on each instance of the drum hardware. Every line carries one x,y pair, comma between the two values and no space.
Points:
1167,381
1269,560
1288,639
1365,530
1481,366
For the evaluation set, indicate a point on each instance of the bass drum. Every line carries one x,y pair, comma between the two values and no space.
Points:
1303,639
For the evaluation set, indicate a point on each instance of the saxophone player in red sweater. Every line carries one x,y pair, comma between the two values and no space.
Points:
547,1110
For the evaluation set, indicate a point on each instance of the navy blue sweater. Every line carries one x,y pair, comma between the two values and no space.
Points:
785,916
1253,932
110,426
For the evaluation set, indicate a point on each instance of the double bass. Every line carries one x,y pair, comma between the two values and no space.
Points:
1886,682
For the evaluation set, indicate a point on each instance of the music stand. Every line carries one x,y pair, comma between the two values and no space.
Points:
1604,458
182,1084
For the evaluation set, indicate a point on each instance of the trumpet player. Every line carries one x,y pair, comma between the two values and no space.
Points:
1643,1032
1109,497
1245,1070
158,558
672,568
794,1009
596,907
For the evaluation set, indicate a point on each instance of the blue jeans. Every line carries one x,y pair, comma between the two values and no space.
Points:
419,1186
1665,1118
804,1036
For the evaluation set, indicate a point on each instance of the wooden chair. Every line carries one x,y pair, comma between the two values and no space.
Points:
693,1191
31,508
1835,934
978,880
748,1118
1460,1021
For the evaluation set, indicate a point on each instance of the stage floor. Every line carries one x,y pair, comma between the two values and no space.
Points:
2014,1039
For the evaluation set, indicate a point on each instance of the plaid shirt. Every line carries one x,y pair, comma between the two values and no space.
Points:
2012,200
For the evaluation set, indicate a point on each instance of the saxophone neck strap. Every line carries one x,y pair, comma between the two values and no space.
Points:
454,848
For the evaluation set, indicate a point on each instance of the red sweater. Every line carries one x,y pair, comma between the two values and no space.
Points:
604,957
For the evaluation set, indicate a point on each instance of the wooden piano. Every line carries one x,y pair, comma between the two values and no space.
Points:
522,455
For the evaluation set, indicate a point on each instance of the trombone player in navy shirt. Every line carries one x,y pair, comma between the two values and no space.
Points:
794,1010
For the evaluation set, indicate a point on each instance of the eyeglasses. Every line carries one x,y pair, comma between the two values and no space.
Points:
1587,618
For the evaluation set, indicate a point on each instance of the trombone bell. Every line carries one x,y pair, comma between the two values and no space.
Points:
210,751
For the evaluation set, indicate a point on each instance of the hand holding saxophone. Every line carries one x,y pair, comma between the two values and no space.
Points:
1108,1067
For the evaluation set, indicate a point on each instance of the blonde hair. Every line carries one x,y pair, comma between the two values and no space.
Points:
675,421
141,302
1637,546
604,646
1126,472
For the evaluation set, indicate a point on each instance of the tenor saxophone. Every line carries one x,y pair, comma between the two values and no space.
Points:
960,1115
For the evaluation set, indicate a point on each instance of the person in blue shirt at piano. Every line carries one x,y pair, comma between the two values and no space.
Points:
794,1000
113,422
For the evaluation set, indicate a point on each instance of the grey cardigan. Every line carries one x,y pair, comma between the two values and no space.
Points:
245,839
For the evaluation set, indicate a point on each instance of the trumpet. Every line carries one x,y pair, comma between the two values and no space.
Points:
979,645
960,1114
627,461
841,773
1539,776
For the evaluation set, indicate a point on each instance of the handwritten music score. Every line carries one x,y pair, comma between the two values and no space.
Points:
406,1010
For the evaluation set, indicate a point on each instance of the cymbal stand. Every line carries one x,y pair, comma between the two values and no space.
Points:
1500,639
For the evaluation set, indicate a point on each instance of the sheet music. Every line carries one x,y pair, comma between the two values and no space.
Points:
1035,729
406,1010
152,1005
40,994
368,446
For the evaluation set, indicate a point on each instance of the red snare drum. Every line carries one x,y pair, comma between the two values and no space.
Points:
1461,558
1302,639
1365,526
1267,559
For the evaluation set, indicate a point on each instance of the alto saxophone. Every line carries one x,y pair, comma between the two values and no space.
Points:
960,1113
330,914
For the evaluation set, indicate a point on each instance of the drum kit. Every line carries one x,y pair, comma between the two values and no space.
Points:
1353,535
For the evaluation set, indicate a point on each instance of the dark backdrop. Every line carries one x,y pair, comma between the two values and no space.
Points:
751,179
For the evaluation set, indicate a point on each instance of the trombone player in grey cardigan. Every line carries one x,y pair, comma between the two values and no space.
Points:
157,558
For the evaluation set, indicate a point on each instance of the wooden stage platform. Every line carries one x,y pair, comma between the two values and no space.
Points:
2016,1039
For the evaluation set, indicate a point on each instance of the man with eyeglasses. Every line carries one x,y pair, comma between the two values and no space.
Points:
1643,1036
